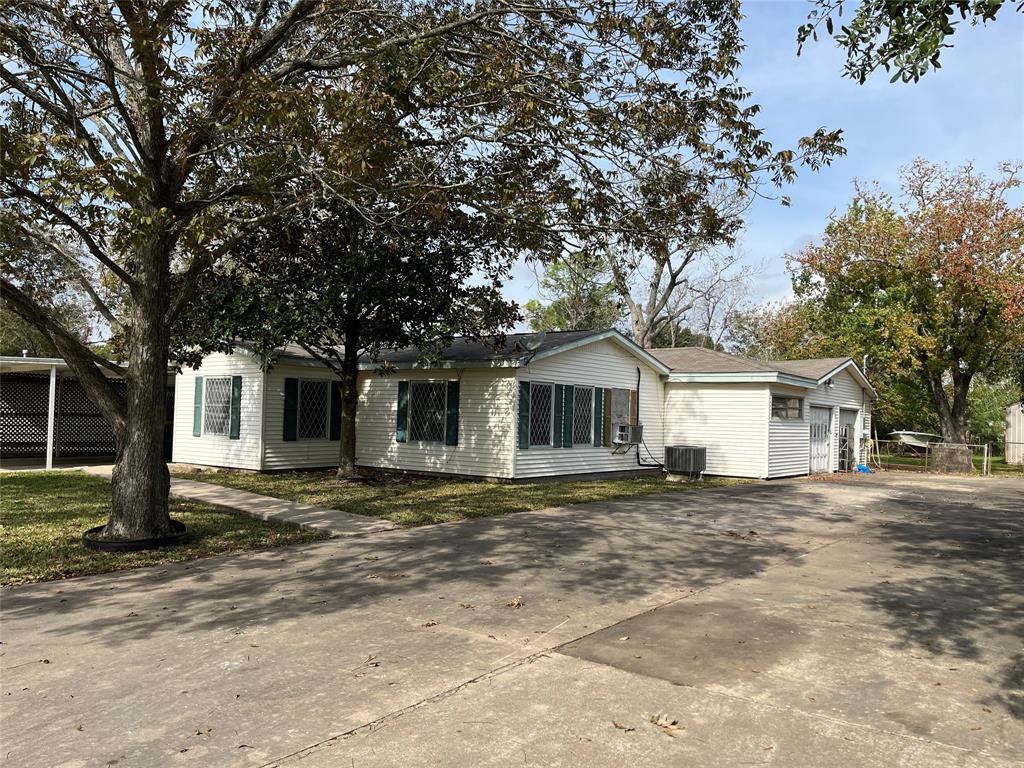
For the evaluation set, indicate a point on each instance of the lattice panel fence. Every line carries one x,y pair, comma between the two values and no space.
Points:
80,429
23,402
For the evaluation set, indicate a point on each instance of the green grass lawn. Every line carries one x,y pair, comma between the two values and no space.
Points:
421,501
43,515
999,465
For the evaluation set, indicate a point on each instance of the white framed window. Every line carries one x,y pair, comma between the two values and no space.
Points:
314,407
787,408
583,415
542,402
428,409
217,406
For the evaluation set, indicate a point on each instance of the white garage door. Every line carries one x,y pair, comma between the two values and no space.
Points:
821,439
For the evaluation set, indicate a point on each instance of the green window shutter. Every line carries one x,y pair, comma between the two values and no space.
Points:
598,417
402,427
524,415
556,421
235,423
197,409
606,419
451,424
567,420
335,410
291,410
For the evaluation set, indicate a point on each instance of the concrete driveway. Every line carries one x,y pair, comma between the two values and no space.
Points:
863,622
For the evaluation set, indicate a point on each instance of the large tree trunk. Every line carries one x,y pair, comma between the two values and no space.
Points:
140,482
349,402
952,415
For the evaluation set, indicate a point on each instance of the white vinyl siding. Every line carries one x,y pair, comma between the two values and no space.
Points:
599,364
279,453
486,423
219,450
1014,434
789,441
730,420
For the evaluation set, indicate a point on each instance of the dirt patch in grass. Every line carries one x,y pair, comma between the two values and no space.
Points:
422,501
43,515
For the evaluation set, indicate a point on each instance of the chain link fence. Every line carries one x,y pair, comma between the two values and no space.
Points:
985,459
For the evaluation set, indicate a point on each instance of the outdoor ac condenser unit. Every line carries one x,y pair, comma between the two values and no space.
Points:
688,460
629,434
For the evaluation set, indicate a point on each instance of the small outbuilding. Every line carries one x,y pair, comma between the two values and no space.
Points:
767,419
1015,433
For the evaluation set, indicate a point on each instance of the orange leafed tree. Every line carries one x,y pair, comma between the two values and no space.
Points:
934,278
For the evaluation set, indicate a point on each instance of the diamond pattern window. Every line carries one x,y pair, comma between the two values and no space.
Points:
540,414
427,409
582,415
217,406
313,406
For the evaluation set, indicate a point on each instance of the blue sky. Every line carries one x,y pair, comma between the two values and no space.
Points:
971,109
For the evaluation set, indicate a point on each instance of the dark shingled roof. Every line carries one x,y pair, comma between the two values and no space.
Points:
466,350
702,360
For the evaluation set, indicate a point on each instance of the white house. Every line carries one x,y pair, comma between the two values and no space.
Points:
767,419
543,405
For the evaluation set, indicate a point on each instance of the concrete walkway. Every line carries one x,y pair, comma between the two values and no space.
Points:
869,622
332,521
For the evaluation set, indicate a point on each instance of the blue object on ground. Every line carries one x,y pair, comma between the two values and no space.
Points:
864,469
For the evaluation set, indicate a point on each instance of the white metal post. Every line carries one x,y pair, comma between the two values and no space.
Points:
51,416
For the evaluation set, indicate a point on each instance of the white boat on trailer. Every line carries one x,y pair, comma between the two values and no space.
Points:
916,439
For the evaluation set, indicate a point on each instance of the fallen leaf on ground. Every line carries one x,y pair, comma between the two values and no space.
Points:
515,602
431,623
622,727
668,725
624,637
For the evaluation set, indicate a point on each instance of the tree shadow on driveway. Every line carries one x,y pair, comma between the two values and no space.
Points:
962,588
560,562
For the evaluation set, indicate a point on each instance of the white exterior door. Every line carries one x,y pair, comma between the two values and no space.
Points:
821,439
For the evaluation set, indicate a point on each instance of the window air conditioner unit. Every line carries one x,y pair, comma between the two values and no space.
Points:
629,434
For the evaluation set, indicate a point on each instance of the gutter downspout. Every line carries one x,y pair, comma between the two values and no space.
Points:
639,463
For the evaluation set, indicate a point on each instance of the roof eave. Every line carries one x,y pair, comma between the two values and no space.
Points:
747,377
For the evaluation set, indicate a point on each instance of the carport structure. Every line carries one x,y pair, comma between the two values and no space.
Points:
45,413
